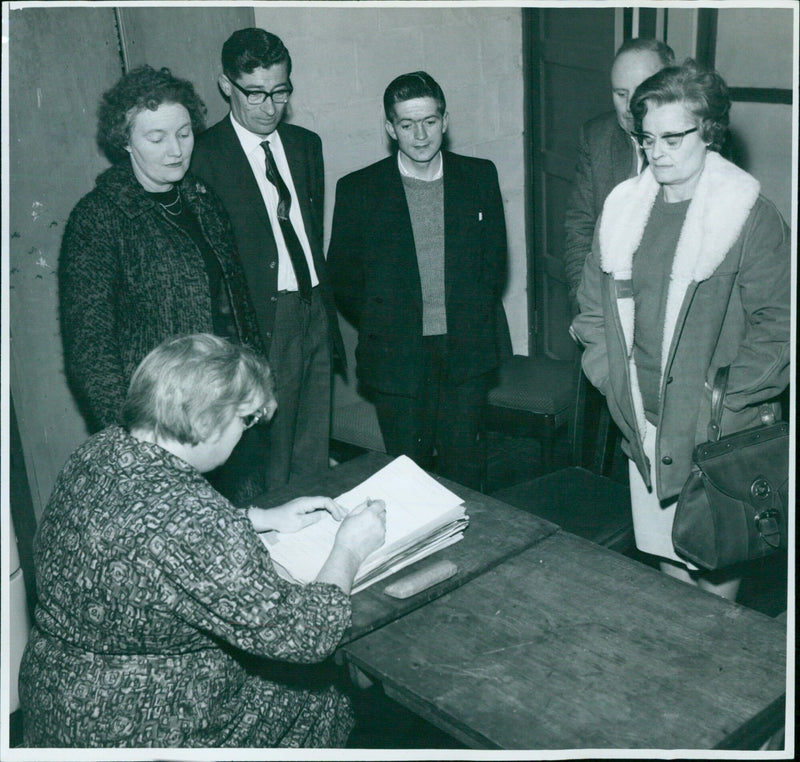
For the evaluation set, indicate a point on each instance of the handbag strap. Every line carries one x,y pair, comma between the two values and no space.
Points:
717,398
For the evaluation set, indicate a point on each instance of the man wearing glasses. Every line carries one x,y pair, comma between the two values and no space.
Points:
418,263
607,152
269,176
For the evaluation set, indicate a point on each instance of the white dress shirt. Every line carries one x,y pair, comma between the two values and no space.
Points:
251,145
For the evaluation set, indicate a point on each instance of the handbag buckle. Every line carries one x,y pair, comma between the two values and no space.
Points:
768,526
760,489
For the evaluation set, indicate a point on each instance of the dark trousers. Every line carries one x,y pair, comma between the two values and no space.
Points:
444,416
296,440
300,359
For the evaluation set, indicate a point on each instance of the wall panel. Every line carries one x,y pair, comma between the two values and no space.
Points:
186,40
60,60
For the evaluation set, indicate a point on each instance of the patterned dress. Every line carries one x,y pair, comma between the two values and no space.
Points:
157,604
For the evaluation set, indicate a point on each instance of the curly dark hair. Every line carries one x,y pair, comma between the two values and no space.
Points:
142,88
702,91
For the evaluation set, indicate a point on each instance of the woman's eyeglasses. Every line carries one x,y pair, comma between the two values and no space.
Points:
251,419
672,140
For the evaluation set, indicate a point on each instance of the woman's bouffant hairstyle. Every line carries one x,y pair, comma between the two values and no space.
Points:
190,387
249,49
142,88
417,84
702,91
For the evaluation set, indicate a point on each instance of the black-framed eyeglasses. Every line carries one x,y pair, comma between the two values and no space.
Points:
257,97
672,140
251,419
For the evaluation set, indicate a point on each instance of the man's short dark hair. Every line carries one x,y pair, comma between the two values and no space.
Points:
249,49
417,84
648,45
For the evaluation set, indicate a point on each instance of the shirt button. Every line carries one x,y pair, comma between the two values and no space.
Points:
666,460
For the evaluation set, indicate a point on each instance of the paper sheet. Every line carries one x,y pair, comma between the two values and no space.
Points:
416,506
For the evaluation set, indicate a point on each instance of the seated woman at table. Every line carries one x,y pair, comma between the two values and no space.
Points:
150,253
689,272
156,593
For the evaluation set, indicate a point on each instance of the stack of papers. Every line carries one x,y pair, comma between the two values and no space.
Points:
422,517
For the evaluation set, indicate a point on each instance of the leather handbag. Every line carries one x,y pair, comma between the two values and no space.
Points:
734,504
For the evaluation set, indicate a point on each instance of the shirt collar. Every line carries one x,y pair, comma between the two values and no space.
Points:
249,140
407,173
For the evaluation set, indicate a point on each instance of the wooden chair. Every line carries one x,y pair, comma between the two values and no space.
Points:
533,397
584,501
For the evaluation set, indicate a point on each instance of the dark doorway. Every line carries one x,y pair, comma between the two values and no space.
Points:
568,54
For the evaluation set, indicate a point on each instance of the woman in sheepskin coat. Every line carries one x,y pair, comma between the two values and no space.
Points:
689,271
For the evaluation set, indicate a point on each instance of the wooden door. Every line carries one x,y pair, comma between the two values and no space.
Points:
569,52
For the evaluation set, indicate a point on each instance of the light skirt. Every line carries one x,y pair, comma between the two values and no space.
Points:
652,518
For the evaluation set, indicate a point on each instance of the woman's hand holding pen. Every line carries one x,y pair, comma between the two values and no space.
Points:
294,515
361,532
364,529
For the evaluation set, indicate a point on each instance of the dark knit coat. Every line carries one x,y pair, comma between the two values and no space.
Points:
129,277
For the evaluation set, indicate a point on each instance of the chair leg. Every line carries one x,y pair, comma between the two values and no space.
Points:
483,446
548,452
604,441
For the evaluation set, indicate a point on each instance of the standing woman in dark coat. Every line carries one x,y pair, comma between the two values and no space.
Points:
150,253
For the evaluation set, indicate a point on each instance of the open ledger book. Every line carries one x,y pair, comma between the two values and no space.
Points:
422,517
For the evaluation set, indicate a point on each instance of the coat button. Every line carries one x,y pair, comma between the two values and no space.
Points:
378,300
273,299
666,460
272,265
669,379
269,334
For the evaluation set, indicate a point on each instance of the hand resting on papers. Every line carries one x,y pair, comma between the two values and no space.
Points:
294,515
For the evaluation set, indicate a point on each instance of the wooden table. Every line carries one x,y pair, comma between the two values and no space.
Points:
496,532
568,645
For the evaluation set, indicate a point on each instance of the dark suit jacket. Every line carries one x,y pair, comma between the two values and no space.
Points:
373,266
219,160
606,157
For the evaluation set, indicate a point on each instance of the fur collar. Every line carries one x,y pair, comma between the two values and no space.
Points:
722,200
717,213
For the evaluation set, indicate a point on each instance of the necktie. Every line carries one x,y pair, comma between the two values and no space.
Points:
296,254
